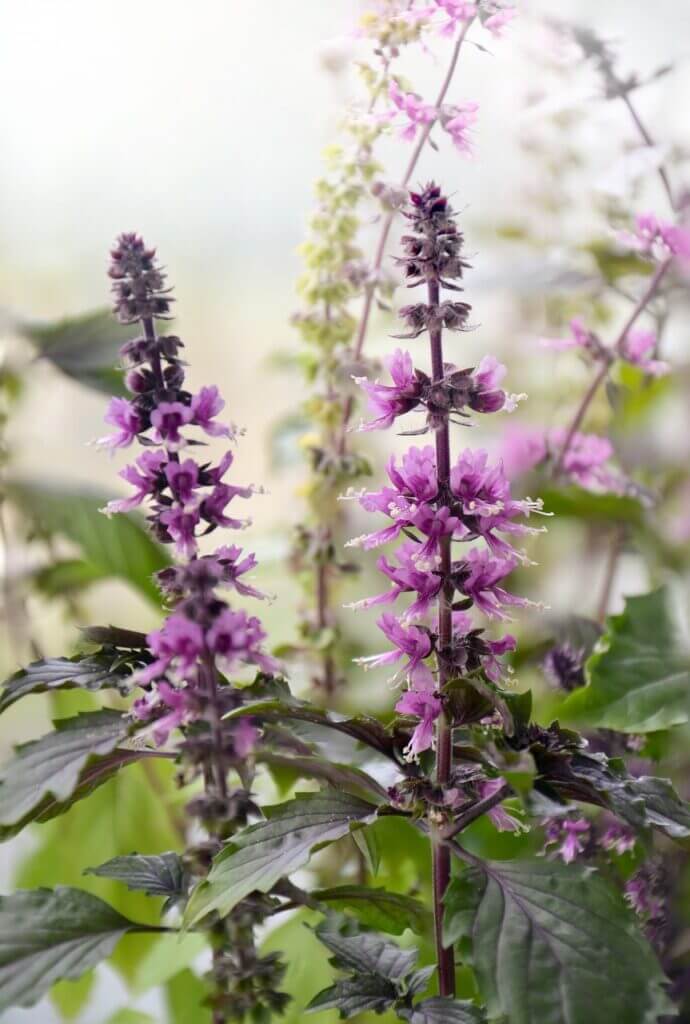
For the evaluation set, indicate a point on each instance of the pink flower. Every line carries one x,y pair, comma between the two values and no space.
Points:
427,708
232,566
569,835
619,838
167,419
486,395
636,347
123,415
656,238
498,815
213,506
457,120
412,106
207,404
497,22
244,737
386,401
146,482
522,449
585,461
410,641
580,337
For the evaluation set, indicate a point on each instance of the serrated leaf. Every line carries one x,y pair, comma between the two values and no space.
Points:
118,547
640,681
262,854
84,347
162,874
50,934
45,774
353,996
446,1011
554,943
365,952
95,672
377,908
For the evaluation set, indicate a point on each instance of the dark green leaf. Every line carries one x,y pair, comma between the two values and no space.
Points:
118,547
50,934
355,995
338,775
84,347
446,1011
385,911
161,874
95,672
44,776
365,952
554,943
647,802
262,854
114,636
640,681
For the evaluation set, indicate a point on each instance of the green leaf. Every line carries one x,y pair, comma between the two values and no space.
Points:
125,1016
446,1011
168,956
162,874
575,503
647,802
377,908
69,576
50,934
353,996
554,943
365,952
96,672
186,994
118,547
70,997
84,347
640,681
47,775
367,843
262,854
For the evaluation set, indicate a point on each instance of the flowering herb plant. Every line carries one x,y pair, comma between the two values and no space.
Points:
525,865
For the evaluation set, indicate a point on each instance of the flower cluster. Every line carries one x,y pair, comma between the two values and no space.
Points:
430,505
656,239
457,119
453,14
586,461
187,498
636,347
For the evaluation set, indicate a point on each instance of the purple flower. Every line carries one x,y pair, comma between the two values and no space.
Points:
618,838
181,524
409,641
426,707
121,414
636,349
486,395
580,337
213,506
570,835
586,459
179,642
183,478
233,566
407,578
386,401
244,737
167,419
479,576
145,479
207,404
237,637
470,651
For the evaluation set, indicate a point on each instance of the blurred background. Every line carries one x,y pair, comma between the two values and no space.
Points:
200,127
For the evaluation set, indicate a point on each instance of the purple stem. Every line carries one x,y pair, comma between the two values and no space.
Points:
444,747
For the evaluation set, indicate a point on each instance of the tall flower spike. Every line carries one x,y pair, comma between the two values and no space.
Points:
435,502
187,497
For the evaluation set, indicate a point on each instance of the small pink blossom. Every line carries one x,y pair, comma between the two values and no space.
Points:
570,835
426,707
497,22
636,348
178,643
237,637
387,402
457,120
181,525
498,816
657,238
580,337
144,477
182,478
413,108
